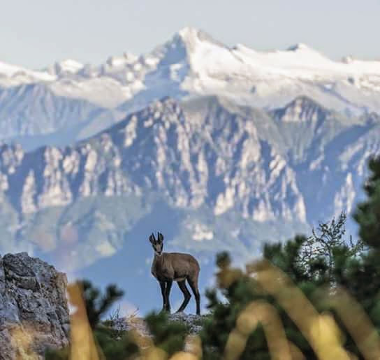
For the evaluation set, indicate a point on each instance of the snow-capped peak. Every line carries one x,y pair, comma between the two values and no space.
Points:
67,66
188,33
183,45
193,63
190,36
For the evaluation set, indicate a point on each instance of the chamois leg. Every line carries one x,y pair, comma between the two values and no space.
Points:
186,295
194,287
167,293
163,293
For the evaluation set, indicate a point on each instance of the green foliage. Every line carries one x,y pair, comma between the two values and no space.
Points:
60,354
96,303
239,289
116,347
167,335
325,260
321,258
368,212
113,344
289,258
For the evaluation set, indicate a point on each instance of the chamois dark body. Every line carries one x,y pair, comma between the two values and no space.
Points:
179,267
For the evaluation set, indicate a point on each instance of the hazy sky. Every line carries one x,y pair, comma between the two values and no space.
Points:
35,33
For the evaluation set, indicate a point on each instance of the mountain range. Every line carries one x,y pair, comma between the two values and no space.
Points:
218,148
69,101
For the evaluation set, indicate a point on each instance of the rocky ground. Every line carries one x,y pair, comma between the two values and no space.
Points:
193,323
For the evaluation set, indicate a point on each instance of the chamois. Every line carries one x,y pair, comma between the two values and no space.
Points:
169,267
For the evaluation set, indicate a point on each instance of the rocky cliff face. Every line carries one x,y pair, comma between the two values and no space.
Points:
222,162
33,308
234,175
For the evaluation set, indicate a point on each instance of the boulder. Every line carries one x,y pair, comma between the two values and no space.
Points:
34,314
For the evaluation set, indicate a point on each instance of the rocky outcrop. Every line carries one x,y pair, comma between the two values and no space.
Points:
134,323
192,322
33,307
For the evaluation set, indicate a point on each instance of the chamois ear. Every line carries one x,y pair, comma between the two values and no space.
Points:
160,237
152,239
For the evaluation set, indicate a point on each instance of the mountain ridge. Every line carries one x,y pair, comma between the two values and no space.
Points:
199,154
190,64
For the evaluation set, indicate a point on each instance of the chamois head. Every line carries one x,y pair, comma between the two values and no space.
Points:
157,244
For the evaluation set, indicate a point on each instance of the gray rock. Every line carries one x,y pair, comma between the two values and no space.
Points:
34,313
193,322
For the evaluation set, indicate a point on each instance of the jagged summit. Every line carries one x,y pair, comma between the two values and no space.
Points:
191,35
185,45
